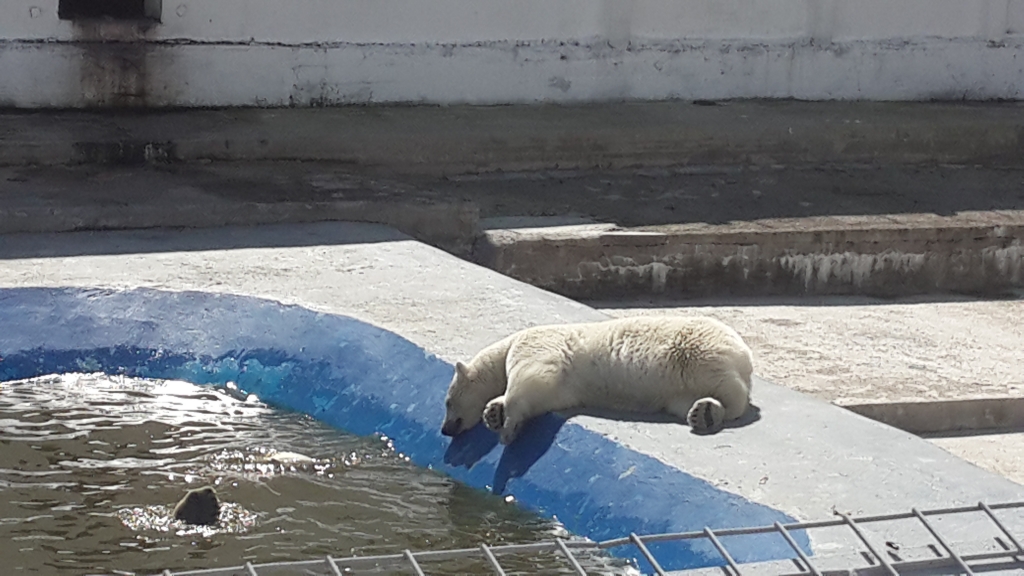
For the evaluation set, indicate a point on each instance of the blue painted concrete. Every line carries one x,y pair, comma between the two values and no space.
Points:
363,380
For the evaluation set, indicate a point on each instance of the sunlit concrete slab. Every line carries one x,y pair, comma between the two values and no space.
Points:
382,318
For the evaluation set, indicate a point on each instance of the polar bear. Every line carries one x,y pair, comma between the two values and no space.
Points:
695,368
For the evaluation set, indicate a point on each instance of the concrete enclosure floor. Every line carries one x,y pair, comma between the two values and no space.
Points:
930,173
800,456
627,198
850,350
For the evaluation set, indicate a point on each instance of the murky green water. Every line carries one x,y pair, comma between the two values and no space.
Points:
91,465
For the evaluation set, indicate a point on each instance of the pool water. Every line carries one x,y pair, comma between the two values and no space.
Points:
91,466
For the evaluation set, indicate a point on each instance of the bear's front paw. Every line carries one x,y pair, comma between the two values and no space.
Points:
494,415
706,416
507,435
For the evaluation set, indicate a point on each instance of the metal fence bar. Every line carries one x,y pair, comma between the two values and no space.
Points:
999,524
412,561
942,541
492,560
800,525
572,559
721,550
856,530
943,563
566,547
333,566
647,553
911,566
796,548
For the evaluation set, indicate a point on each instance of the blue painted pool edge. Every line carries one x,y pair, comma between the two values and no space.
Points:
364,380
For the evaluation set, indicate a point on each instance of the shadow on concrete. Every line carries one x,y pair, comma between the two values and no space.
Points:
533,442
470,447
113,242
466,449
218,194
179,199
537,437
726,194
752,415
978,433
811,300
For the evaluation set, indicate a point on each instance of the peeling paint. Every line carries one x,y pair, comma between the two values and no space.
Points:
1009,261
113,63
654,274
973,261
850,268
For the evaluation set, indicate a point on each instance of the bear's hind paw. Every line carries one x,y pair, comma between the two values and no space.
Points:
494,415
706,416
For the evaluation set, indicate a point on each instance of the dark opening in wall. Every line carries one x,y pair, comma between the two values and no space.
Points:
116,9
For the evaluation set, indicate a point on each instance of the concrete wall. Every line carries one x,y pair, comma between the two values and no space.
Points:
274,53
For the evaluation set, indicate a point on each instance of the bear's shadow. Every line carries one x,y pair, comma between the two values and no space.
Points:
752,415
539,434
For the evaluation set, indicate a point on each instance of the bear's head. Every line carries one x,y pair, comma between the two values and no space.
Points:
468,393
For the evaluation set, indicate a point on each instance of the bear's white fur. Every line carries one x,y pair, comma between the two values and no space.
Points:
695,368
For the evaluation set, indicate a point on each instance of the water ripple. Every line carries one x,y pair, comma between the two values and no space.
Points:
93,464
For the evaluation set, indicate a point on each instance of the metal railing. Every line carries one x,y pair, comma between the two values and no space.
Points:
962,562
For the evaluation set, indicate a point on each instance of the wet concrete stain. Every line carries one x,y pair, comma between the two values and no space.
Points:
115,63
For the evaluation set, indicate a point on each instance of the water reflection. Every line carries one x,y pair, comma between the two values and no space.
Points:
91,466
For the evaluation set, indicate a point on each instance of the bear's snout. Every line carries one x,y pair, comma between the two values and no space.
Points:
452,427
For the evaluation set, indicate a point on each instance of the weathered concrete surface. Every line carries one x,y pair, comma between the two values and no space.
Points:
897,255
270,52
447,140
683,232
719,194
915,364
865,350
943,416
1002,454
802,456
824,230
59,199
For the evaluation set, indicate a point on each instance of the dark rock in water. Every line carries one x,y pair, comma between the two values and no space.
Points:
199,506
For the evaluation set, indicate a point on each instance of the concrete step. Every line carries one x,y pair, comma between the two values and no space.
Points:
888,256
946,416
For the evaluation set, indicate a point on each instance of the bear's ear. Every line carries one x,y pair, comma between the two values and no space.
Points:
463,370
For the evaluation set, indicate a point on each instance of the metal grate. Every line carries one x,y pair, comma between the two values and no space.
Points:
1012,553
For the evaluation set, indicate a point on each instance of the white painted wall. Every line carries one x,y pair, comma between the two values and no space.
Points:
302,52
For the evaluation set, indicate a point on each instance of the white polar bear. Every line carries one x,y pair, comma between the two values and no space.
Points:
695,368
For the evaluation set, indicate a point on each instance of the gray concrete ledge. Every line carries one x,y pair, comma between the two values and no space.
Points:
944,416
896,255
466,138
